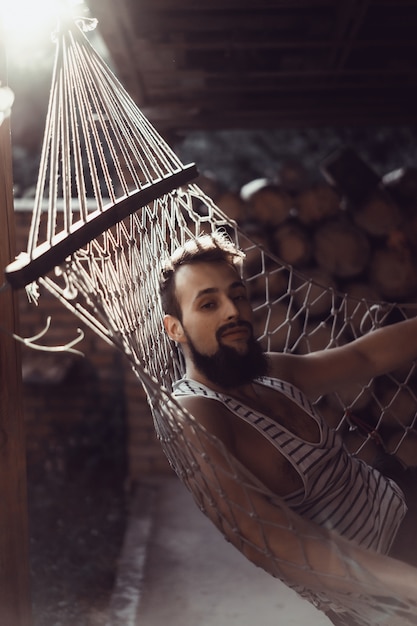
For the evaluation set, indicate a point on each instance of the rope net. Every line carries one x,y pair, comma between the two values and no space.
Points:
97,139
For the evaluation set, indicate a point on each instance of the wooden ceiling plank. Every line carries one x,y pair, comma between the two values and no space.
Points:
164,26
269,43
247,77
217,5
281,119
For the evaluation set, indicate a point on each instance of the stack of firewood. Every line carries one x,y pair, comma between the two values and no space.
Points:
353,230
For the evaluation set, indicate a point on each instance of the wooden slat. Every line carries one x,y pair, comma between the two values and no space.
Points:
204,5
46,256
284,117
152,24
268,42
192,5
188,83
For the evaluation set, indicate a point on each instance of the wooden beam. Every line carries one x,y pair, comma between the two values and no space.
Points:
268,42
15,609
155,25
170,119
186,84
226,5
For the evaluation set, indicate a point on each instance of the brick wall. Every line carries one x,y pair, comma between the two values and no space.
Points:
81,412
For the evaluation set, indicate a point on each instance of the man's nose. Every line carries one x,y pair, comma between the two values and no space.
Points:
230,309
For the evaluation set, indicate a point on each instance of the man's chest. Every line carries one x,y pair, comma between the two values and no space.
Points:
285,412
258,448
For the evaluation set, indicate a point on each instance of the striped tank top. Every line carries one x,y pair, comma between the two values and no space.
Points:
340,492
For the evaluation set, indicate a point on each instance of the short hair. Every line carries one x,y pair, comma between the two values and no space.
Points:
212,248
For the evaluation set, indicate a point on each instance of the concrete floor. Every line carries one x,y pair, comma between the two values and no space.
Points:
177,569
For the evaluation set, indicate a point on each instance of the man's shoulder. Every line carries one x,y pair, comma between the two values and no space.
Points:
205,409
191,393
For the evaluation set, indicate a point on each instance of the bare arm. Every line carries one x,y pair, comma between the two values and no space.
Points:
376,353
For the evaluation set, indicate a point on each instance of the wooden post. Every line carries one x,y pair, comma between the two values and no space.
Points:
15,606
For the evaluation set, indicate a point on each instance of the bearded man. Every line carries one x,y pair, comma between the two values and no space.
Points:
260,405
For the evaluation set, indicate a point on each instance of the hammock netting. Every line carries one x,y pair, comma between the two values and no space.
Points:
102,259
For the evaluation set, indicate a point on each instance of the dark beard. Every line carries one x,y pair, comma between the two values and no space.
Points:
227,368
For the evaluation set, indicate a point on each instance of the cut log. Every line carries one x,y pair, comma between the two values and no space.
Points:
232,204
404,446
318,202
341,248
269,285
209,185
402,186
275,327
315,291
250,188
360,298
292,176
255,250
291,243
348,172
393,273
399,407
269,205
410,230
379,215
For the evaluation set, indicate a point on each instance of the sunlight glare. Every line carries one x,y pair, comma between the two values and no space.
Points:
24,22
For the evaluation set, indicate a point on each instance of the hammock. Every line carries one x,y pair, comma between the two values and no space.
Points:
103,263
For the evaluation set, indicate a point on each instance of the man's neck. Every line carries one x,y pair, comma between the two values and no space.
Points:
247,390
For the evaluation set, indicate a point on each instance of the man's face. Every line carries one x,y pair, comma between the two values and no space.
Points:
217,324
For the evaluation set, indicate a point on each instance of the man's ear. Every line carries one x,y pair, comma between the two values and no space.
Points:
174,329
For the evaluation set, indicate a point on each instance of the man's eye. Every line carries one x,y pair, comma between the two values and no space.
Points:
208,305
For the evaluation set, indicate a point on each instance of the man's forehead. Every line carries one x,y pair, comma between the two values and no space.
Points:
200,275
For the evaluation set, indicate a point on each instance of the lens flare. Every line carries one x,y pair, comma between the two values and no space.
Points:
25,23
